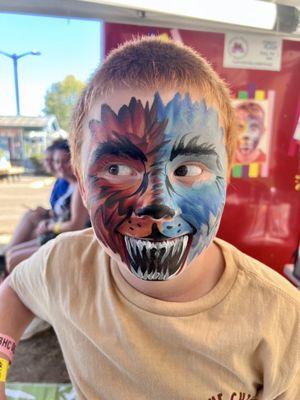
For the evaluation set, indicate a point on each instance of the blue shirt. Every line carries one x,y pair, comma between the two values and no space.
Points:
59,188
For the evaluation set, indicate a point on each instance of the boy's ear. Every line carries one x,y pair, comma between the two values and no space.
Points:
81,186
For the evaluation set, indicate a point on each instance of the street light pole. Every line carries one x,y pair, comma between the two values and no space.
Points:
15,61
15,58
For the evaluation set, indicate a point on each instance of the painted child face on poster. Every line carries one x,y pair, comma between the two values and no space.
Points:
250,124
155,179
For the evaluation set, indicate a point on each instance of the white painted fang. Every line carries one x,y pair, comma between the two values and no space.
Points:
129,251
133,245
150,276
147,274
148,247
140,246
140,273
185,240
175,247
133,270
156,275
128,246
165,256
166,276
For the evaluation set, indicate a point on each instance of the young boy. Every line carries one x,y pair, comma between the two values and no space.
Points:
149,304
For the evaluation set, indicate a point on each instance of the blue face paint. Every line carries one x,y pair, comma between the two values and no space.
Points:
193,134
157,183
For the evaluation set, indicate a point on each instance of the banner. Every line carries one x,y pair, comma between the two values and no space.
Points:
252,51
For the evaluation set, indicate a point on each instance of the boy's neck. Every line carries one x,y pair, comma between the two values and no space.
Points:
197,280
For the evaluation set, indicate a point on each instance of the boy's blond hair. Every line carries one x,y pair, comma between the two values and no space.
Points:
154,64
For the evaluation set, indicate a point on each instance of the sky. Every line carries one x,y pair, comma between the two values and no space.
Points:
68,47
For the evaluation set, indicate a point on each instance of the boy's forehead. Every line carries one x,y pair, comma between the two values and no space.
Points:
153,122
122,97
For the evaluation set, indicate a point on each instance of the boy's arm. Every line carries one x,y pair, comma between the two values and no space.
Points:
14,318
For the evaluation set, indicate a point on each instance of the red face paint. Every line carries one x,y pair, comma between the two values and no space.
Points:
124,147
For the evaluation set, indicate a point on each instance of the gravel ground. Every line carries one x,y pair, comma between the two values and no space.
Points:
38,359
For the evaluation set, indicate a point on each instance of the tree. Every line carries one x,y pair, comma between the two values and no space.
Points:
61,98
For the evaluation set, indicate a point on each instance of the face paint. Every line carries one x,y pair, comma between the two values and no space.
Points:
250,131
155,183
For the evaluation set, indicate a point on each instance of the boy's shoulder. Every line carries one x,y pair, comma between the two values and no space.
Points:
77,246
74,253
260,277
82,236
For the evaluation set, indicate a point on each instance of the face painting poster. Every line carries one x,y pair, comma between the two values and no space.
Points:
253,125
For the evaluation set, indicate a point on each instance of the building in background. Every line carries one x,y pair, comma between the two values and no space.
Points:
23,140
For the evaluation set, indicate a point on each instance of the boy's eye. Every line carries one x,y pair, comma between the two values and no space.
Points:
188,171
120,170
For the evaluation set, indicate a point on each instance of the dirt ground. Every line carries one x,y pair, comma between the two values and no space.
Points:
38,359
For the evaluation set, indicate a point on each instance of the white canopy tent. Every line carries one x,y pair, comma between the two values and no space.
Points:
151,13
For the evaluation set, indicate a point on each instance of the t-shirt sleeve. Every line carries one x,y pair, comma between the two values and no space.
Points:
29,281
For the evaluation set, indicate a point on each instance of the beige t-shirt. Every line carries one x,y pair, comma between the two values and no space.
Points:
239,342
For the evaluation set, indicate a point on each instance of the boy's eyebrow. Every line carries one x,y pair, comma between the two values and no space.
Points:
192,148
121,146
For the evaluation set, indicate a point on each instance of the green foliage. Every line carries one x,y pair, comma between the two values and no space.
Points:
61,98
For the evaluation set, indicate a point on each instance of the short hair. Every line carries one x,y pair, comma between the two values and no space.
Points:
59,144
153,63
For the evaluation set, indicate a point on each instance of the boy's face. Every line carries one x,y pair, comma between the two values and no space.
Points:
250,130
154,180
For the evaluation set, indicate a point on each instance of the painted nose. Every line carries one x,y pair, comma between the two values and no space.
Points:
155,211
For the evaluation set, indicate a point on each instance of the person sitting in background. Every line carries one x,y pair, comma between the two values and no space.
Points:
27,227
68,214
61,185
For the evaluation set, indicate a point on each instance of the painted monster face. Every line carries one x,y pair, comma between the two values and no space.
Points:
250,131
155,182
